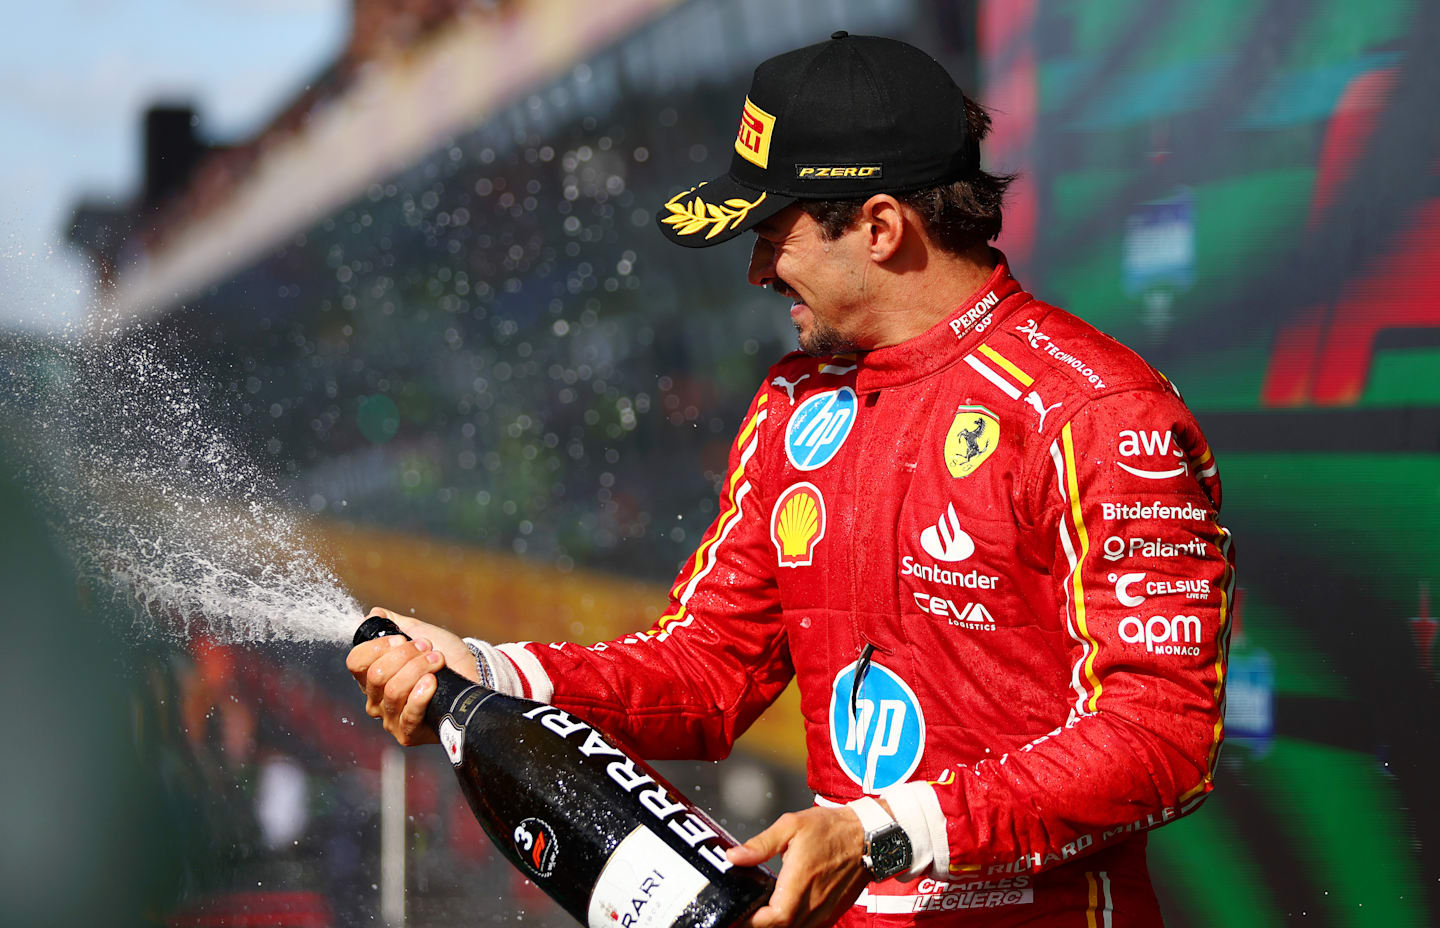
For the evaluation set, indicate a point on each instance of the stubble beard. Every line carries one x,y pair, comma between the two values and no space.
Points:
824,340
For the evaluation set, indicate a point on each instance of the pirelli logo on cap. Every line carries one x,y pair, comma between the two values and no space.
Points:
818,171
752,142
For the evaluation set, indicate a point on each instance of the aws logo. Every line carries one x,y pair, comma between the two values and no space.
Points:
1151,443
797,523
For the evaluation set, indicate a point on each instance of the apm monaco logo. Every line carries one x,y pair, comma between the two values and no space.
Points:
879,737
1178,635
797,523
536,846
973,436
819,427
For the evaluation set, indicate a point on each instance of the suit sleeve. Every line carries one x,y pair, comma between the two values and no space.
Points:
692,683
1126,498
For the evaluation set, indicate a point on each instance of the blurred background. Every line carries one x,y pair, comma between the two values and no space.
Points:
409,248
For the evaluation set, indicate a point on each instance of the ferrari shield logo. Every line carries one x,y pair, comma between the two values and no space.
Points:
973,437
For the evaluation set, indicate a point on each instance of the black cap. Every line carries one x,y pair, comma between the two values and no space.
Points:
854,116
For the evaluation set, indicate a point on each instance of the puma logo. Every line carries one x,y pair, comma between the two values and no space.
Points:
1038,404
789,386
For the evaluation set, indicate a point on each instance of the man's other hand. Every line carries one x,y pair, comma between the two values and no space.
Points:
398,676
820,873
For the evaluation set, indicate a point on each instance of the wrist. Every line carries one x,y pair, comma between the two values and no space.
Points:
916,807
887,849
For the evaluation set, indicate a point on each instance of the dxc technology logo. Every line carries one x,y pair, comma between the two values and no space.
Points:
881,742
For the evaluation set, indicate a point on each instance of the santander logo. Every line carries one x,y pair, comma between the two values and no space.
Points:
945,540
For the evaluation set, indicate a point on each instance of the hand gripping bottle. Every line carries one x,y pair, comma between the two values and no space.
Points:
596,828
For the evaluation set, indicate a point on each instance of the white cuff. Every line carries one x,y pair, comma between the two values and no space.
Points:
536,682
872,814
496,671
917,809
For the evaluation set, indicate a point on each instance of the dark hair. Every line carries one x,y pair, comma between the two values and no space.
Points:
958,215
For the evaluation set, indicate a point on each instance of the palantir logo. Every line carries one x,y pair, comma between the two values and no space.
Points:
946,540
878,740
819,427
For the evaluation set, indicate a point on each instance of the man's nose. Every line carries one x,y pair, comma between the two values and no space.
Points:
762,263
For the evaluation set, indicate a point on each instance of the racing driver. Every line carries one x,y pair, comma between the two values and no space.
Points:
979,534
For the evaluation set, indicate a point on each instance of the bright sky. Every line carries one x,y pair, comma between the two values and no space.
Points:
75,77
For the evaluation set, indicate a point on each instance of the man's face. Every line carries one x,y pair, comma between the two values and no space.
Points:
823,279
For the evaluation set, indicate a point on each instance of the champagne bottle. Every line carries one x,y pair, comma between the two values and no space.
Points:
596,828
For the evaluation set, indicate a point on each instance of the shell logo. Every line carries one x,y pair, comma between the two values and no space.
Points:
797,523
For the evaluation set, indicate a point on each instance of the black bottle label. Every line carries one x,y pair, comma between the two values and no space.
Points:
656,801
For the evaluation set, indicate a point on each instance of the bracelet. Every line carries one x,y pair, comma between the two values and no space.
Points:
482,666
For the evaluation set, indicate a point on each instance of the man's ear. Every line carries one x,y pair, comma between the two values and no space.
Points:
883,222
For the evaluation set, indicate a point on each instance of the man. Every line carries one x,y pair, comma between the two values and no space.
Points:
980,535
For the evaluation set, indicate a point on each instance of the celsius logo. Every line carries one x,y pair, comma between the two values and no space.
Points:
879,744
819,427
1178,635
1122,588
1150,443
945,540
536,846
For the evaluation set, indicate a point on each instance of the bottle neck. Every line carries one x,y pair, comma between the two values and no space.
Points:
449,686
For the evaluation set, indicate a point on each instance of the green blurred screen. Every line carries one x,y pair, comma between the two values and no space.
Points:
1247,193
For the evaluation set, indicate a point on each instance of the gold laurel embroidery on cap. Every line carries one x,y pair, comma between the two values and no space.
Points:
687,218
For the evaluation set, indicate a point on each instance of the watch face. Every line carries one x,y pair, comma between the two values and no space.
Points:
887,851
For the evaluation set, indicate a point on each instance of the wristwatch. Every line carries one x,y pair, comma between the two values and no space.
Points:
887,846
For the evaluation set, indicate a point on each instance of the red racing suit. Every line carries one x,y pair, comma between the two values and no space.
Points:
1007,528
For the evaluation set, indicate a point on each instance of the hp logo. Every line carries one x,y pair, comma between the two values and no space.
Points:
878,745
819,427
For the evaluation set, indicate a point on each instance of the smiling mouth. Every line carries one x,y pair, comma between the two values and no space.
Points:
785,290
